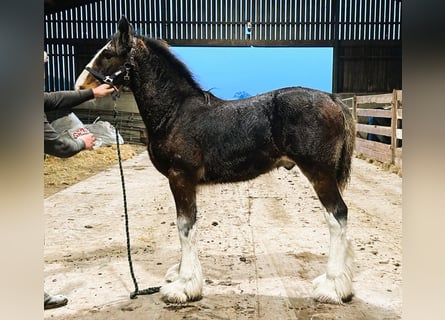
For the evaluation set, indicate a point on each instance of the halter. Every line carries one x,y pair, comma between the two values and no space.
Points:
110,79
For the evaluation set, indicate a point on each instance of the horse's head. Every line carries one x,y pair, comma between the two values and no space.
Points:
111,63
127,57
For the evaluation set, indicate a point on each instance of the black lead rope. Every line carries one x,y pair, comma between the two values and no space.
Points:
136,292
109,80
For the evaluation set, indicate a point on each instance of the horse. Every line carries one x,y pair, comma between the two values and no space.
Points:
196,138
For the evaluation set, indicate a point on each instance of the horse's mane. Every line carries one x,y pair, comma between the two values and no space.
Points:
161,48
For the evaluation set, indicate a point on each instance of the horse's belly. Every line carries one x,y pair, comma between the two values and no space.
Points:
243,168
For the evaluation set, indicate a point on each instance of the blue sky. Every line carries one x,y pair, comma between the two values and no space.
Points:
257,69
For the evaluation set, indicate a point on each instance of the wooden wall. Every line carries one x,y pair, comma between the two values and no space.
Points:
367,67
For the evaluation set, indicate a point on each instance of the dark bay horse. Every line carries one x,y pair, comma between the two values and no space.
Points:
196,138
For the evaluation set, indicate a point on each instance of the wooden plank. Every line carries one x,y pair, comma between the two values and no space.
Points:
172,18
386,24
399,95
374,150
377,98
397,18
361,22
312,18
127,119
288,19
208,25
398,158
384,131
347,19
378,113
299,20
129,122
395,105
379,9
367,24
372,20
125,103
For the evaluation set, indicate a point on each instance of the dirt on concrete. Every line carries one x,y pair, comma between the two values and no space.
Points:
261,243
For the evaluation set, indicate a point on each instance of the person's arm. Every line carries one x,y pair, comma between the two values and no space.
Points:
70,99
62,145
66,99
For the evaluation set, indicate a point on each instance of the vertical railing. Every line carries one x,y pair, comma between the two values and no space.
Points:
221,22
274,20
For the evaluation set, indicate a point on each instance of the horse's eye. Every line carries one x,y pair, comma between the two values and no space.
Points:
108,54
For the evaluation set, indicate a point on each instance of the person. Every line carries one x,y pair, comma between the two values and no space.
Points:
60,144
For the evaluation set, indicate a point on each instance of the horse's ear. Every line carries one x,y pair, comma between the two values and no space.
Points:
125,32
123,25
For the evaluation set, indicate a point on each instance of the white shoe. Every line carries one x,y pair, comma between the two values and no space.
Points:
54,301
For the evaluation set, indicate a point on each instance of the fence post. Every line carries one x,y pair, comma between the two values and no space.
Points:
354,108
394,106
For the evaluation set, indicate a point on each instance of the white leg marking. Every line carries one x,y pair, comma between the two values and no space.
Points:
172,273
185,279
335,286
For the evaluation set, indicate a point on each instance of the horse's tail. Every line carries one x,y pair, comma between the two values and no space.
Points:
344,162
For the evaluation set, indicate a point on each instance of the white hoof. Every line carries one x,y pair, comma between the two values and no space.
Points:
181,291
172,273
332,290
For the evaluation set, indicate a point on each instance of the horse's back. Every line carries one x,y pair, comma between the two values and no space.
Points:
299,98
295,103
239,139
256,132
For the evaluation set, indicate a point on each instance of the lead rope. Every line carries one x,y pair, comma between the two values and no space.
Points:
136,292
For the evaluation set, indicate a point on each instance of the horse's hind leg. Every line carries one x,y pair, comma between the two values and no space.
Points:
184,279
335,286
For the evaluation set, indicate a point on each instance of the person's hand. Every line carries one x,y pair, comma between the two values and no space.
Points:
102,90
89,140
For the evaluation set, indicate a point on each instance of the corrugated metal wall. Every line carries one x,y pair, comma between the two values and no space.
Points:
323,23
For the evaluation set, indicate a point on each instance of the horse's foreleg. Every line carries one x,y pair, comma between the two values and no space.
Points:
184,279
335,286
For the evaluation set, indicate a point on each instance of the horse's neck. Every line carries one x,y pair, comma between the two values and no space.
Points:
159,94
